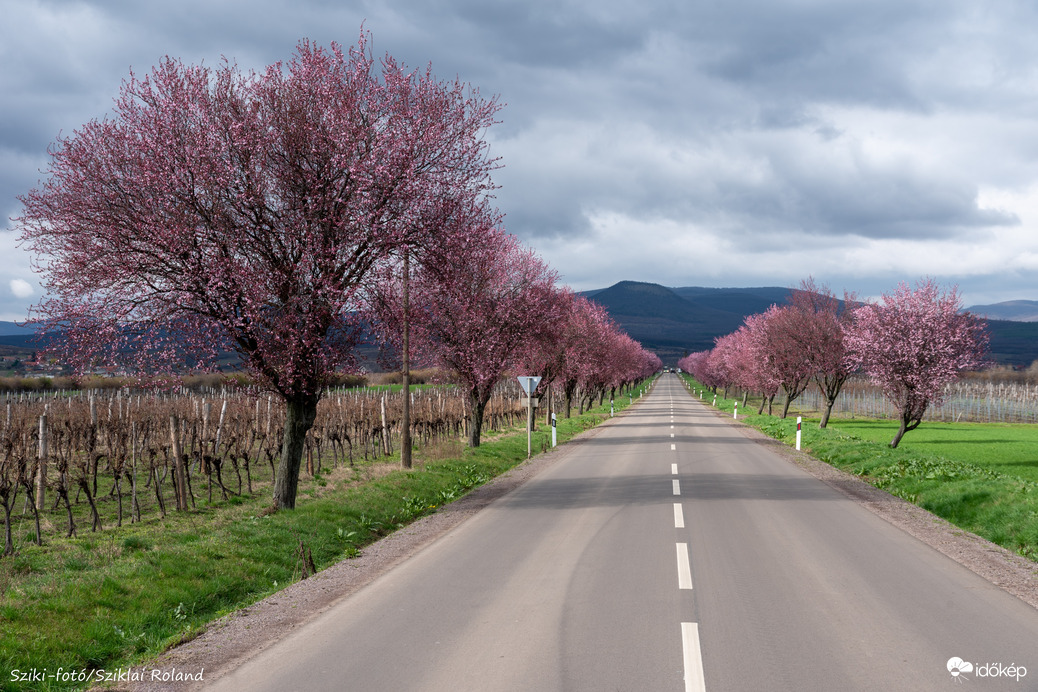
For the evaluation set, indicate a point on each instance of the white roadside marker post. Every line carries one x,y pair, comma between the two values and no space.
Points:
798,433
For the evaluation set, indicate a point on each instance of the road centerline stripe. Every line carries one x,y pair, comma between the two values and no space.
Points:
679,516
674,469
684,571
693,657
676,486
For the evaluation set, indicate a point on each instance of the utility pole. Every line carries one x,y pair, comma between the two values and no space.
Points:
405,432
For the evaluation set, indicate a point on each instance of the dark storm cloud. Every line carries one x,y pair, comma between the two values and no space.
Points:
710,132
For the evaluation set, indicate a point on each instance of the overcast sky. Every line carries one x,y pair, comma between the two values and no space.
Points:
687,143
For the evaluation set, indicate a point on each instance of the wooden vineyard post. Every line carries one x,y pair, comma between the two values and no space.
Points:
386,450
41,477
135,508
179,467
219,428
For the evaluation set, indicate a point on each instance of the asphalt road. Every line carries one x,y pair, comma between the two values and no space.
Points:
666,552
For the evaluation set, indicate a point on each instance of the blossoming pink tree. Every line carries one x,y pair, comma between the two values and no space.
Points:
477,305
216,209
914,344
545,355
783,340
760,359
821,320
583,331
708,368
740,362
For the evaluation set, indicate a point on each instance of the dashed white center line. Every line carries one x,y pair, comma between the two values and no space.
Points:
684,571
693,657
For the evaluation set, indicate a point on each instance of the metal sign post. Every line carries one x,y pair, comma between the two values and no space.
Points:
529,385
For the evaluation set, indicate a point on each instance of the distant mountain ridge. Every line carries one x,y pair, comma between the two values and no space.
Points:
1012,310
674,322
15,329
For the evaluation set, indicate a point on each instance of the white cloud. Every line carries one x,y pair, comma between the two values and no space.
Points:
21,288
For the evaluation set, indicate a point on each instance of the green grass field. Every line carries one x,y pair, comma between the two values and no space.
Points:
1008,448
120,596
982,477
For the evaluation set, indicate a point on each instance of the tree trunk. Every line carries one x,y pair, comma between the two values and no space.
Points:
826,412
785,406
908,422
476,424
300,414
900,433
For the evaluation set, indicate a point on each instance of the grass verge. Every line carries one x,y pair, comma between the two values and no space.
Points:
113,599
982,477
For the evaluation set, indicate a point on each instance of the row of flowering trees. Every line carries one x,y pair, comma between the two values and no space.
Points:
488,307
911,345
272,213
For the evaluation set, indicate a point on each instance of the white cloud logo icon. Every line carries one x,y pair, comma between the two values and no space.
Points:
957,666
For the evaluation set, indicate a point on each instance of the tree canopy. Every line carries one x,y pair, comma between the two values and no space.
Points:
220,209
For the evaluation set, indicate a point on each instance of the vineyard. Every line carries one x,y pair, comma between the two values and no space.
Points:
965,400
73,462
